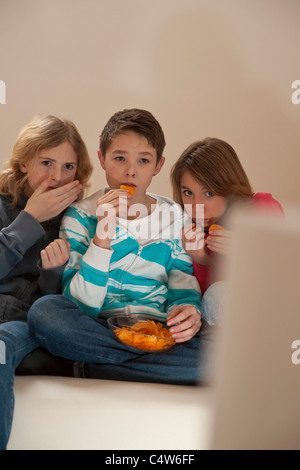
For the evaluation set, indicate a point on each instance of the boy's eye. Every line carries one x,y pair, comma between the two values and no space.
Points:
144,160
120,159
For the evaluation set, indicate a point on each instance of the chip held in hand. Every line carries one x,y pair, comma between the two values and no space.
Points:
130,189
215,227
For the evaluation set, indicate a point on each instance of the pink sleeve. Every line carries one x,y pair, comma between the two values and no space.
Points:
267,202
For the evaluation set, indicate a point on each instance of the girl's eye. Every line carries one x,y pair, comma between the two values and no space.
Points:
209,194
46,162
187,192
69,166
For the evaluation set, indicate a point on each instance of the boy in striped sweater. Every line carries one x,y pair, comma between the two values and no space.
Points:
126,257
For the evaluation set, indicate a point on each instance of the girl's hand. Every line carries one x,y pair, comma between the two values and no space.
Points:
186,320
193,240
219,241
45,203
55,254
113,204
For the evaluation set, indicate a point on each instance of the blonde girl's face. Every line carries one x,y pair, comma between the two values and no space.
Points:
193,193
58,164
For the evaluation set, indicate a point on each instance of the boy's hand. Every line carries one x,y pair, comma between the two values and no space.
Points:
55,254
186,320
45,203
113,204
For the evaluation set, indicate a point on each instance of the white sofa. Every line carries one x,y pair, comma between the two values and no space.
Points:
58,413
255,402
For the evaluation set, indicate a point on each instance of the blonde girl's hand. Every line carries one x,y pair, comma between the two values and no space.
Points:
45,203
185,322
55,254
193,240
113,204
220,241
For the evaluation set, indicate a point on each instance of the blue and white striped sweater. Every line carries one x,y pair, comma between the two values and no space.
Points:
136,275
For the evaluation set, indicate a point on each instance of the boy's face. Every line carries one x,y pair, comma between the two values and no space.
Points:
130,160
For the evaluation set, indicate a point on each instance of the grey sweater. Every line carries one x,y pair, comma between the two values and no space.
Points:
22,280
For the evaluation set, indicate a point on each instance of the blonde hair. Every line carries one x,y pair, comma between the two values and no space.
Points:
215,165
39,134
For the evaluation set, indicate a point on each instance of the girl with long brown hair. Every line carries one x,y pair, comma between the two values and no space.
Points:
210,173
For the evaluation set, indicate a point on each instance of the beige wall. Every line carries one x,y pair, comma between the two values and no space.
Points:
221,68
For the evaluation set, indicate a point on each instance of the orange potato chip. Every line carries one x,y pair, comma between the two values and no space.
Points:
124,335
215,227
157,338
130,189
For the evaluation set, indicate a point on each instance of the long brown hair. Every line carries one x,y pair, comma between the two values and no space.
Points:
215,165
39,134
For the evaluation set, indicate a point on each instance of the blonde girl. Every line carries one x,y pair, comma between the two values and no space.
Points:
48,170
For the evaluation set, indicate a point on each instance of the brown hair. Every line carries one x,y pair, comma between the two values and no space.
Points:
39,134
215,165
136,120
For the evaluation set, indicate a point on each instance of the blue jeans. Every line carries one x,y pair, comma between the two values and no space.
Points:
62,328
18,343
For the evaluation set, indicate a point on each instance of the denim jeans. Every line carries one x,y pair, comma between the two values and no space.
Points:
18,343
62,328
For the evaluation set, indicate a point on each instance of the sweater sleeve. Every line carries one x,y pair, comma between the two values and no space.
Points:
50,280
266,202
16,239
183,288
86,274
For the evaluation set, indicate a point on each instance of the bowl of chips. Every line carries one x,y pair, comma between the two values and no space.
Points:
142,332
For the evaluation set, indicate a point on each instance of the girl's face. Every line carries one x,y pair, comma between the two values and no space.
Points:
194,193
58,164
